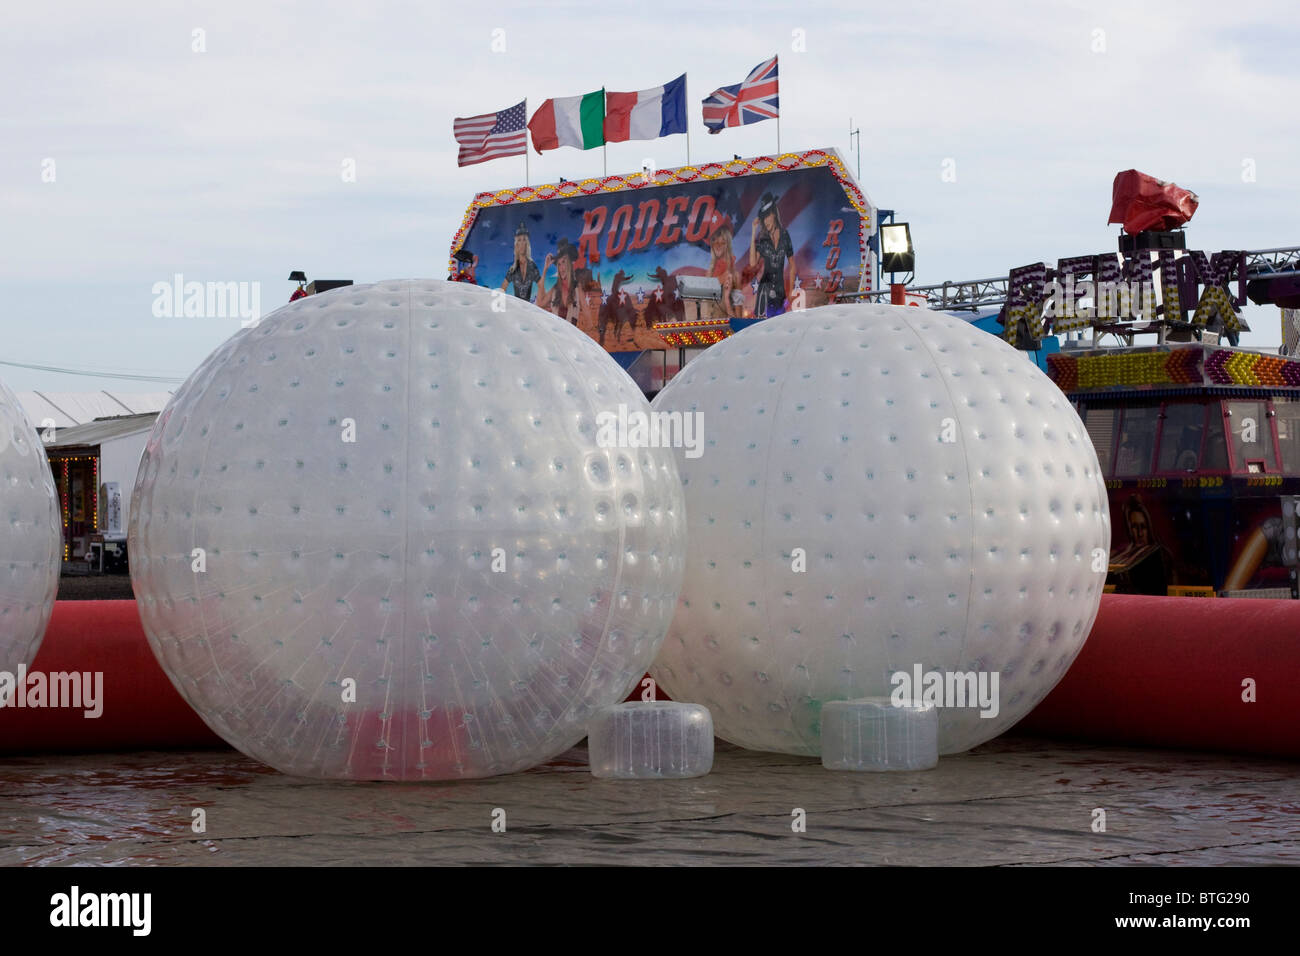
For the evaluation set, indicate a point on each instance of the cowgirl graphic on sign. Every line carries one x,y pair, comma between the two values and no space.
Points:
771,245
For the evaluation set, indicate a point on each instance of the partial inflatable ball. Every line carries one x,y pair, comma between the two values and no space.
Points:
31,543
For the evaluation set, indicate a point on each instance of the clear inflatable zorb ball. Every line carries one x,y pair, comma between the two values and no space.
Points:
886,497
376,536
30,541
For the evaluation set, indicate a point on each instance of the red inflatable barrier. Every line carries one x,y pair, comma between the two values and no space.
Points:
140,708
1166,672
1176,672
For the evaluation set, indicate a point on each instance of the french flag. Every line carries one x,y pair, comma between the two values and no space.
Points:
647,114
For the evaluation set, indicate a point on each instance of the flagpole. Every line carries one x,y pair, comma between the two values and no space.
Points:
778,121
526,182
686,92
604,146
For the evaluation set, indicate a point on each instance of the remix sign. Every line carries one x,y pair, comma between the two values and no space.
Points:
1113,289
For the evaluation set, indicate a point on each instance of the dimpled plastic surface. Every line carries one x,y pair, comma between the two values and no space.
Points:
946,498
30,539
874,734
473,566
651,740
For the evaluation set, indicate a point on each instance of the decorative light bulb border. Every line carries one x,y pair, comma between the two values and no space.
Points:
1194,365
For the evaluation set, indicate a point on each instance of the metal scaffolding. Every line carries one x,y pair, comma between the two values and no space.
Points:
977,294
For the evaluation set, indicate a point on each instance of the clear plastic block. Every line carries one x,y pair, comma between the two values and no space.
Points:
655,740
873,733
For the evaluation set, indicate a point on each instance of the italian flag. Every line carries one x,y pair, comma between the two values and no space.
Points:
570,121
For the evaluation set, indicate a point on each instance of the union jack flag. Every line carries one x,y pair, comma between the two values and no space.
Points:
749,102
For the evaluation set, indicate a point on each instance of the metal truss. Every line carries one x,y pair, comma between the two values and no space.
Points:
976,294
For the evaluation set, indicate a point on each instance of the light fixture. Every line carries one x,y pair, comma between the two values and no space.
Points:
896,252
699,289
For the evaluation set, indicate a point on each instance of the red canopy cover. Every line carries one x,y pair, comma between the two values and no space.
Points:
1143,202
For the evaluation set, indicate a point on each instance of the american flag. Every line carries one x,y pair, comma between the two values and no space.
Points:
492,135
748,102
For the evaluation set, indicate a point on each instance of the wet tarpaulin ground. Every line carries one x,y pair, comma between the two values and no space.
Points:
1014,801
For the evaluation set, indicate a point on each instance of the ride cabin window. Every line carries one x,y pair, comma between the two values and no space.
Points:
1252,437
1137,441
1287,412
1181,436
1214,456
1100,423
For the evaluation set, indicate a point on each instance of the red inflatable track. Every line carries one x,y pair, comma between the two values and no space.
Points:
1169,672
1162,672
141,709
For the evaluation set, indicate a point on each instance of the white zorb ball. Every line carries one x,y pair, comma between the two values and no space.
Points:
879,487
30,540
375,535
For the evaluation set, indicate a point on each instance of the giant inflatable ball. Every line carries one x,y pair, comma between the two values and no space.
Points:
377,535
885,499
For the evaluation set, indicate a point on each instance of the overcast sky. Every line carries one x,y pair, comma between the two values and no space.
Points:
227,163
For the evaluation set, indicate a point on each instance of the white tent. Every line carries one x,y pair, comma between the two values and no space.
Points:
65,409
